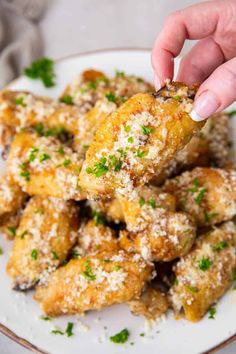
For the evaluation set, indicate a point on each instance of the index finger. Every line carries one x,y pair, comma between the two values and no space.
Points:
194,22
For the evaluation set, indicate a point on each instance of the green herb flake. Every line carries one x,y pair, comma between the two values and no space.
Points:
204,264
115,163
209,216
69,329
1,251
91,85
54,255
141,202
11,230
99,168
98,217
61,151
193,289
200,196
44,157
39,128
110,97
146,130
19,101
33,154
221,245
88,273
75,254
212,313
141,153
42,69
152,203
120,337
66,162
177,98
34,254
45,318
120,73
195,187
22,235
130,140
127,128
142,334
231,113
117,268
68,99
234,274
57,331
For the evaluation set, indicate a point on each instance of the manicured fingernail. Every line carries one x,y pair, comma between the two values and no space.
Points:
204,106
157,82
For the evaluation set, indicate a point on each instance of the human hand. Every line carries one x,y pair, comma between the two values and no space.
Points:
211,62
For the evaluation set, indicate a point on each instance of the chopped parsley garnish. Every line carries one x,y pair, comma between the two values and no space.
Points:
234,274
45,318
212,313
57,331
1,251
200,196
24,171
106,260
141,154
130,140
231,113
33,154
75,254
127,128
19,101
120,73
195,187
69,329
120,337
98,217
141,202
68,99
44,157
209,216
34,254
55,255
142,334
39,128
61,151
99,168
11,230
88,273
177,98
91,85
122,152
115,163
221,245
193,289
117,268
110,97
146,130
42,69
22,235
204,264
66,162
152,203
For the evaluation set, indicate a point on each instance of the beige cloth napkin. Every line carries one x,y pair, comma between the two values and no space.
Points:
20,39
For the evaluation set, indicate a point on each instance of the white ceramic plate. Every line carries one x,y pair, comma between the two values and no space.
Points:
20,315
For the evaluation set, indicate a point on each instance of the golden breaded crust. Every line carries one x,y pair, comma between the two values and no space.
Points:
137,141
208,194
92,283
170,235
204,275
11,195
47,231
44,166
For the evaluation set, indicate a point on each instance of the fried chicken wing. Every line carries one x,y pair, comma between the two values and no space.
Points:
138,140
94,282
204,275
47,231
44,166
167,236
208,194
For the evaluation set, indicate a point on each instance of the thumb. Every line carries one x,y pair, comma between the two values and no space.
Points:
217,92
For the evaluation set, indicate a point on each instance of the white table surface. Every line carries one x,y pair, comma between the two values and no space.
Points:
74,26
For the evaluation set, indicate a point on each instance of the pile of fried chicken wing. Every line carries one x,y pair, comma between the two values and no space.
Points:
113,194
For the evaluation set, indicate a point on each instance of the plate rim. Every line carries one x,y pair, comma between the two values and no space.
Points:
4,329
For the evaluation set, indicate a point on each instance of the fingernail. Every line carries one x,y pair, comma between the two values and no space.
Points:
157,82
204,106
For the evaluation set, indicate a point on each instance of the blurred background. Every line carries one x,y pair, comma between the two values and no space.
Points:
57,28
